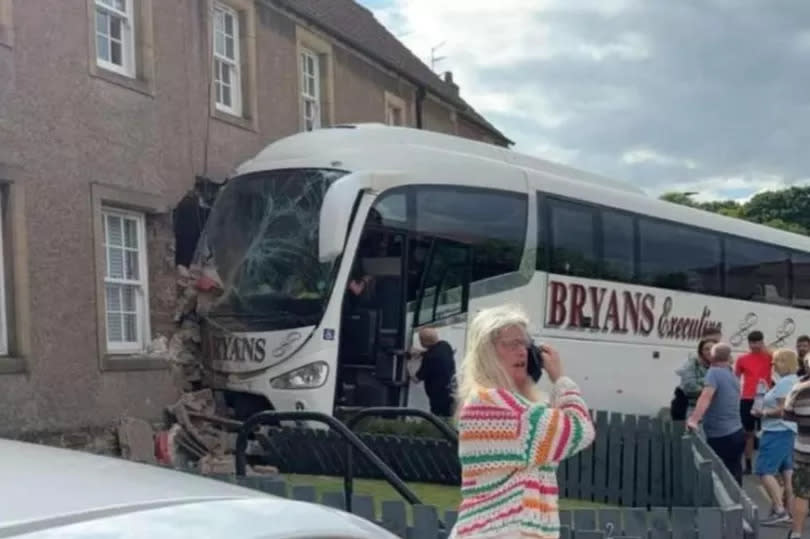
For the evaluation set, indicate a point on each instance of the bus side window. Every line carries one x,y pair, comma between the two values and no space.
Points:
757,272
680,257
618,246
492,222
801,280
446,285
573,239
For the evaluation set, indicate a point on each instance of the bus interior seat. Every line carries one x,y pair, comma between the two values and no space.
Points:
771,292
768,293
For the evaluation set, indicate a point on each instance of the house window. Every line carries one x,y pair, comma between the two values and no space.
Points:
311,89
115,36
227,77
393,115
125,281
395,110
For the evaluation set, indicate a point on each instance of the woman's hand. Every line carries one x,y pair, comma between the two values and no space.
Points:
692,424
551,362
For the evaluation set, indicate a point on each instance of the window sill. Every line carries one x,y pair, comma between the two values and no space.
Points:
132,362
137,85
247,124
13,365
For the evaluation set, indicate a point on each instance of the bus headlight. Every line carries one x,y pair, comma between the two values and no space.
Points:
306,377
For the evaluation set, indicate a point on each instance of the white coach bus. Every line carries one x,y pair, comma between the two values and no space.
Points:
438,227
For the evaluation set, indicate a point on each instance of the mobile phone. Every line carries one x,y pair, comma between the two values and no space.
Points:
534,363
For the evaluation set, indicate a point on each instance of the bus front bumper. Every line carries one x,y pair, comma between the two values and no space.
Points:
317,399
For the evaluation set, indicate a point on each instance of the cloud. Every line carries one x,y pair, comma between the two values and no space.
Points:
667,95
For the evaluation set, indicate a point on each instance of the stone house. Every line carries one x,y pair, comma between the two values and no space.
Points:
109,109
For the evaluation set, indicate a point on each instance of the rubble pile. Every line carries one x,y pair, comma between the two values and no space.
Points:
195,438
198,437
184,348
197,288
198,434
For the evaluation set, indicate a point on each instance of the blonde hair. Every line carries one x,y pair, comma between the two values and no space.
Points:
481,367
785,361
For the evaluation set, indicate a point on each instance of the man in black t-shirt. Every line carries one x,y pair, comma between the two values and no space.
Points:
438,371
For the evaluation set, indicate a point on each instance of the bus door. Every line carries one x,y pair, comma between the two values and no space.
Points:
371,362
441,302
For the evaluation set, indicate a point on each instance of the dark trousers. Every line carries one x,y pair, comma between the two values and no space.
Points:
441,406
730,450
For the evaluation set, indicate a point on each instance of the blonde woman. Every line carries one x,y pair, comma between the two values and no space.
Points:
776,442
510,441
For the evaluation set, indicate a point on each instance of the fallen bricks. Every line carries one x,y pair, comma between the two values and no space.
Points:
198,436
195,438
136,440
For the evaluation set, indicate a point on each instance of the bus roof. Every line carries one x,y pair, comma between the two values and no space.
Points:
544,175
368,135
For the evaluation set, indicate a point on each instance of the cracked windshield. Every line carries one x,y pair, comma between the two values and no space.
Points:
262,241
378,269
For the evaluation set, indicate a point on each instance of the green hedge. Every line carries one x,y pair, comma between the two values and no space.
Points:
418,428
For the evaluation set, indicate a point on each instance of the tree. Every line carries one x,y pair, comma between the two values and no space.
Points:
786,209
790,206
730,208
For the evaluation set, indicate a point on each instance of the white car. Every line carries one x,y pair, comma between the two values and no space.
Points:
48,493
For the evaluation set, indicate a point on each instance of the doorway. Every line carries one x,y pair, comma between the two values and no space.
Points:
372,356
400,281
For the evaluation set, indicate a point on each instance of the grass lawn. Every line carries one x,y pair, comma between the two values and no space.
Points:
442,496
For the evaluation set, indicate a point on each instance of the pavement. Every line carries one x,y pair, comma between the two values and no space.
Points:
754,489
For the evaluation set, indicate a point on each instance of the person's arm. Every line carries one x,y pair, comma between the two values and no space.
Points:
774,412
780,393
424,367
702,405
525,433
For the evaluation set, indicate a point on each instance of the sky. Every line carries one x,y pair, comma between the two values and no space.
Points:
706,96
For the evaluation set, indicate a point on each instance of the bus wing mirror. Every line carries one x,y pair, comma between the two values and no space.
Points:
336,213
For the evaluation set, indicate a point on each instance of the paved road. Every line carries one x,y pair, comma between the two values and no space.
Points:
752,487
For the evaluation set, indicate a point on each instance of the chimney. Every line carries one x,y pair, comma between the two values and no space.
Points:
448,80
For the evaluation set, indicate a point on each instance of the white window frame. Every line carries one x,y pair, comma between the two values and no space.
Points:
221,61
143,330
127,17
306,97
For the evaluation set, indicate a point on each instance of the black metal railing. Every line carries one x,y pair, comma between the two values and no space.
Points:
352,440
388,412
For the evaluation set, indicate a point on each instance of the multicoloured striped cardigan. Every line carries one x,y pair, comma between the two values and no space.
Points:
510,449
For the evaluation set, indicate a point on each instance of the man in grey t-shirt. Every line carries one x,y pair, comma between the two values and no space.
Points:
719,408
